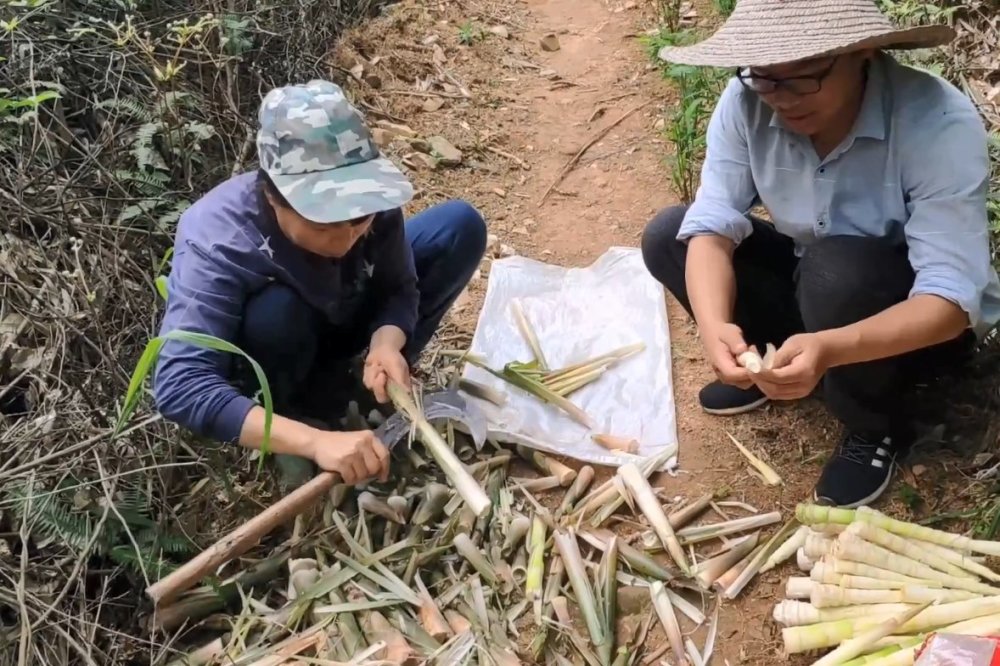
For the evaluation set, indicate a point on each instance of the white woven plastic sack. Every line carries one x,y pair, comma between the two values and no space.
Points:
580,313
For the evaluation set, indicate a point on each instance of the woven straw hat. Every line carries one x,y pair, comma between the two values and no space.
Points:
760,33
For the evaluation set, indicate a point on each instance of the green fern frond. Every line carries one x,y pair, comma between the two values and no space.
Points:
49,519
128,106
139,208
149,183
155,566
169,220
144,149
168,542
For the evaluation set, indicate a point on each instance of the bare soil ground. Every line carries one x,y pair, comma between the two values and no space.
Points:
527,114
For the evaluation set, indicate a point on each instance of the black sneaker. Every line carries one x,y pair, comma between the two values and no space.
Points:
859,471
725,400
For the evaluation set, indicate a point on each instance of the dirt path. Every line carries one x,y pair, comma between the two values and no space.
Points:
542,107
619,184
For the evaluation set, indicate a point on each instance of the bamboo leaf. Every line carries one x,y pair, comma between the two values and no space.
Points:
148,360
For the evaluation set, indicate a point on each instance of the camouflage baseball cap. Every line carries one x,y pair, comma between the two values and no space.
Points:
316,148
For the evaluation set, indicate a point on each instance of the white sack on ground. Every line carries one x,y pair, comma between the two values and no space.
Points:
580,313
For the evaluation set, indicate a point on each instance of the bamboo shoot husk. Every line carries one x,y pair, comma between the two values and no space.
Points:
686,514
645,498
665,611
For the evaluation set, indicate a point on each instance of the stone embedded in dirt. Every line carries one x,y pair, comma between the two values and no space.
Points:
507,250
448,154
433,104
430,40
549,74
549,42
521,229
396,129
919,470
382,137
500,192
439,56
422,161
491,240
358,71
420,145
660,124
633,600
500,31
463,300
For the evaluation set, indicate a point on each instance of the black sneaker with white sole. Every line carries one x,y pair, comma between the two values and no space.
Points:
725,400
859,471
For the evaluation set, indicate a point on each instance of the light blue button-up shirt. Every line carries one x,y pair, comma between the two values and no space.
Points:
914,169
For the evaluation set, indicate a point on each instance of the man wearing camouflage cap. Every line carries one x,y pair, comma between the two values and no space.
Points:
304,265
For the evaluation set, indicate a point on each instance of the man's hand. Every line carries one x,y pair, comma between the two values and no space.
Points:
385,363
723,343
355,456
798,367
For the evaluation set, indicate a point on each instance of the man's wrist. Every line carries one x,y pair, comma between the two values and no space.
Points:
841,346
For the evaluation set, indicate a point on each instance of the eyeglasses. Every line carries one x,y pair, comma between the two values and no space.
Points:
359,221
796,85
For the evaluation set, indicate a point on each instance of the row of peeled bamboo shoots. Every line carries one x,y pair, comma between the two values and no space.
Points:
877,587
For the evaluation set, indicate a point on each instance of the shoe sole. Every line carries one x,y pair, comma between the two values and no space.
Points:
734,411
863,502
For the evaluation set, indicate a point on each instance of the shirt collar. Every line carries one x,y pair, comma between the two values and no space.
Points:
872,117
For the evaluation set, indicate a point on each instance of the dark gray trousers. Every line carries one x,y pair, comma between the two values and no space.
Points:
838,281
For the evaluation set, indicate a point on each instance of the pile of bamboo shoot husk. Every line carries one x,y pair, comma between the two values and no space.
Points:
875,587
407,573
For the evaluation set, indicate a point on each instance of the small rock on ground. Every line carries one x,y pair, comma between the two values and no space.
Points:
549,42
446,153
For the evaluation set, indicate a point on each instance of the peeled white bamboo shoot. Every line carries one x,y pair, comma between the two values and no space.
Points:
811,513
850,546
829,529
803,561
787,549
798,587
827,634
914,594
971,564
790,613
852,648
861,569
824,572
825,596
873,534
817,546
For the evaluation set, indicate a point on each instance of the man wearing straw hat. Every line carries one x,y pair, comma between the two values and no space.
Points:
874,273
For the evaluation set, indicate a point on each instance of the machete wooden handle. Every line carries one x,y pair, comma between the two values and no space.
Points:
240,540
